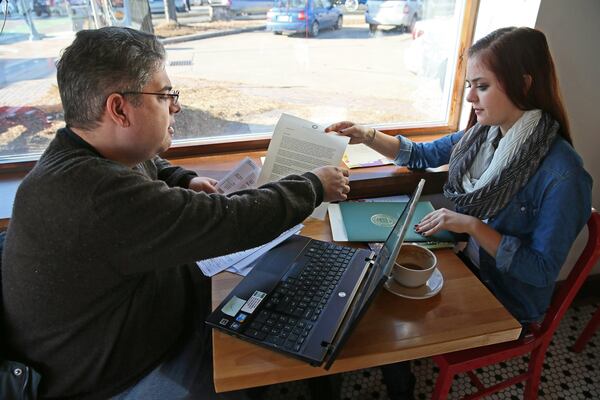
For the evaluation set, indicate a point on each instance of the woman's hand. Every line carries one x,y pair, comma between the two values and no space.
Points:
487,237
203,184
387,145
356,133
444,219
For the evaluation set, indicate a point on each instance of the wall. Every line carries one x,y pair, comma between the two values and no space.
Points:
495,14
573,33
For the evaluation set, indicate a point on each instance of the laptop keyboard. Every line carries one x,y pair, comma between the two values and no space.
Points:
298,300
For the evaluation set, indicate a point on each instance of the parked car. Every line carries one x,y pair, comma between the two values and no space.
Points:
239,7
402,14
350,5
242,7
41,7
304,16
221,3
158,6
434,40
58,7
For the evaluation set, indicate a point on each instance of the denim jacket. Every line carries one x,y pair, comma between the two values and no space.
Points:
538,225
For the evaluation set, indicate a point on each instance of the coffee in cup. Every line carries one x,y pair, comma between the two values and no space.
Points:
414,265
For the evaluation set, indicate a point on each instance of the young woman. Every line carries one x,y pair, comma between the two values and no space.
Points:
520,189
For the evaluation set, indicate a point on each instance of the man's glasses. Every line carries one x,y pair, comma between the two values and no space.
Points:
174,95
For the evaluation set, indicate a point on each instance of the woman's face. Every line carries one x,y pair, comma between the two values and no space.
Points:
490,103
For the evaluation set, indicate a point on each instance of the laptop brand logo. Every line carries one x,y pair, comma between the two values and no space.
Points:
383,220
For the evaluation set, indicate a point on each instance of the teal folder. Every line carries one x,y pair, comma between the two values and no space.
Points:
373,221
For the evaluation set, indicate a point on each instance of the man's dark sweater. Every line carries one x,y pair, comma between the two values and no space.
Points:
95,289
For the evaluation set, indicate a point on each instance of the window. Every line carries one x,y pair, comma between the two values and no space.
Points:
391,64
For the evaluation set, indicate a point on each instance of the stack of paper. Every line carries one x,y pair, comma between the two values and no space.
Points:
299,146
243,176
360,155
241,262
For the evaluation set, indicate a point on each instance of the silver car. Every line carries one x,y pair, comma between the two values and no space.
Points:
243,7
158,6
402,14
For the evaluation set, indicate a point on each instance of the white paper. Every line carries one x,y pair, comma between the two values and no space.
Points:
336,222
299,146
237,262
245,265
243,176
398,198
360,155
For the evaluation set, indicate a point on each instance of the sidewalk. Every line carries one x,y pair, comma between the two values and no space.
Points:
27,67
210,34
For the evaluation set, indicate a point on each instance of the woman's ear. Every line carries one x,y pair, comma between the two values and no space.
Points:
116,109
528,81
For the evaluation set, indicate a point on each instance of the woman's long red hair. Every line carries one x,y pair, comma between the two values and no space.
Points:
514,53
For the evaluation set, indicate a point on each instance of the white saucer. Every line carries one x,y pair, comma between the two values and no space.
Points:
429,289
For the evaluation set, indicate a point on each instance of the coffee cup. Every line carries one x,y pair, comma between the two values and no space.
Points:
414,265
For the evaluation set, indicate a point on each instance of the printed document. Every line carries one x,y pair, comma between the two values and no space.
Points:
299,146
243,176
240,262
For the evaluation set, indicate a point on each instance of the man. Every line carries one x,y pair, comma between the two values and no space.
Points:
97,294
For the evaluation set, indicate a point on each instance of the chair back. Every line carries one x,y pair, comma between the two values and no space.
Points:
567,291
17,380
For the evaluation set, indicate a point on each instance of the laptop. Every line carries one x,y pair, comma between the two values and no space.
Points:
304,297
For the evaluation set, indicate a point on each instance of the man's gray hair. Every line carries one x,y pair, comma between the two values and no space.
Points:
100,62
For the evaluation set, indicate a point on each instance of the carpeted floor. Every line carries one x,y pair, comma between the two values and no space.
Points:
566,375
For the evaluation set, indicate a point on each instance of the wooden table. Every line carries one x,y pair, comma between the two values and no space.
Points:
463,315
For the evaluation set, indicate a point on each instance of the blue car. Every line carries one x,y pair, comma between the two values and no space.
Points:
303,16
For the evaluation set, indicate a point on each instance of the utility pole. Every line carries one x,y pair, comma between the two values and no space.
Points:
170,12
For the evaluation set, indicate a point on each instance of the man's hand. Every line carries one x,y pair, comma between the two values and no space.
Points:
444,219
336,184
203,184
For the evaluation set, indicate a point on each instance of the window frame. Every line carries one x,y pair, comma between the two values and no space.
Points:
261,142
196,148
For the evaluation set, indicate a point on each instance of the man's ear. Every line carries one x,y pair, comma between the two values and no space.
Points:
528,81
116,109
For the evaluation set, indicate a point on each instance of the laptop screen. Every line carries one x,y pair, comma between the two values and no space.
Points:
391,247
380,272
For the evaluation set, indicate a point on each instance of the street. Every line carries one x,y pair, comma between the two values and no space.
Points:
236,84
343,74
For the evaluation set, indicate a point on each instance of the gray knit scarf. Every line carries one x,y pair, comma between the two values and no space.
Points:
488,200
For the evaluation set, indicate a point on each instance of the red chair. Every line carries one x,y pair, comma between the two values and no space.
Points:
588,332
535,343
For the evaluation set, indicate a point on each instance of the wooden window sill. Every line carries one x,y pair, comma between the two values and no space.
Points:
364,182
